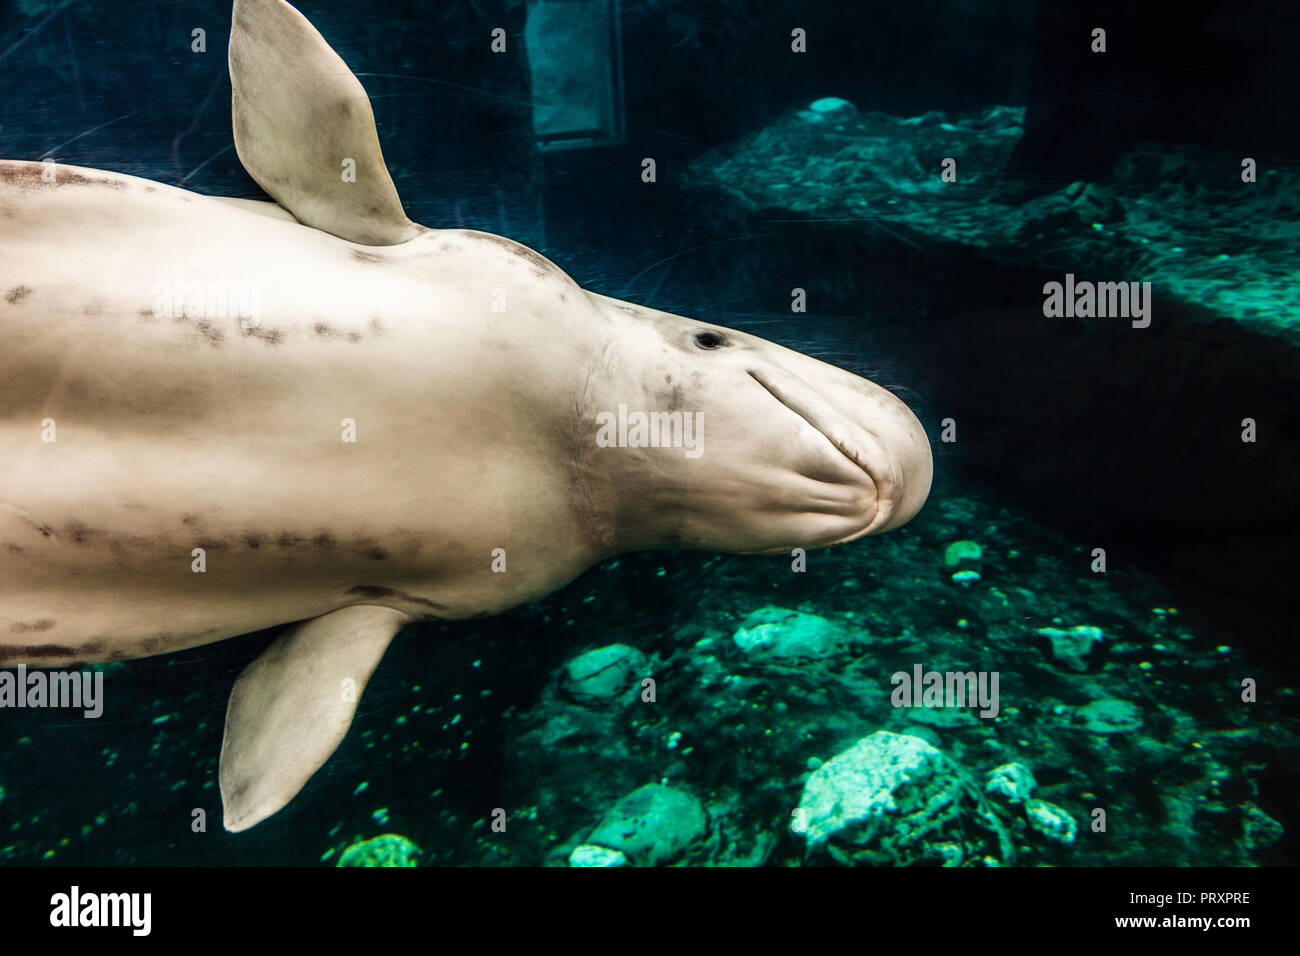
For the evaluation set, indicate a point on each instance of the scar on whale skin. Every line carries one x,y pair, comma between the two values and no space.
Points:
369,591
17,294
12,651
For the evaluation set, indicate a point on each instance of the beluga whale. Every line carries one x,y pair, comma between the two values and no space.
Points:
222,415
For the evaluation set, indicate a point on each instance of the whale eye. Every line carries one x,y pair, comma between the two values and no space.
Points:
709,340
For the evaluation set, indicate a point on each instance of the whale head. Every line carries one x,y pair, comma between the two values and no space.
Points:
687,434
710,438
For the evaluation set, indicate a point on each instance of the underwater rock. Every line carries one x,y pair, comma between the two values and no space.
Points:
832,104
963,559
961,551
387,850
1109,716
893,799
1070,211
589,855
1051,821
945,717
651,825
776,633
1258,829
1164,210
828,108
1014,781
603,674
1075,649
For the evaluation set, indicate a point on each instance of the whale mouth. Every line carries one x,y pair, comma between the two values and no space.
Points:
853,441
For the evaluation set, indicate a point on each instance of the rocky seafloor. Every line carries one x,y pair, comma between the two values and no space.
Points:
696,710
1183,217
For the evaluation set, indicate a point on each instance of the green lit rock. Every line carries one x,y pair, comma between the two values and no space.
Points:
895,800
1051,821
1014,781
1258,829
1109,717
589,855
831,104
651,825
1074,648
1164,210
386,850
775,633
603,675
960,551
945,717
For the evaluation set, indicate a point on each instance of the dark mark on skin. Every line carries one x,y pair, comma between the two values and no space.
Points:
17,294
79,533
145,313
22,627
287,540
253,541
360,256
211,334
93,648
369,591
324,330
16,549
212,544
96,307
373,551
676,399
377,327
149,189
269,336
31,176
12,651
151,644
325,542
189,519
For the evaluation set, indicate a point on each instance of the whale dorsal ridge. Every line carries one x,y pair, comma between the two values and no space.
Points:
300,115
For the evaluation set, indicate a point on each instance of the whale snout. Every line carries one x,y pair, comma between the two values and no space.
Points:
871,428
